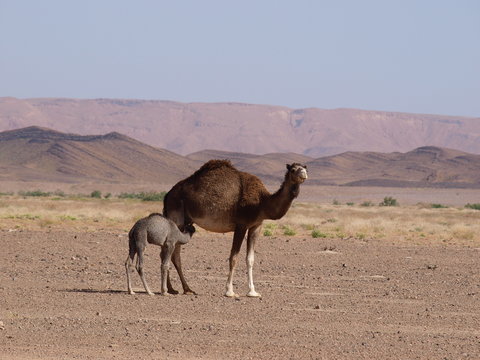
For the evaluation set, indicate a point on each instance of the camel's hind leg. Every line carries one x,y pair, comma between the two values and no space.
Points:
139,267
165,257
238,236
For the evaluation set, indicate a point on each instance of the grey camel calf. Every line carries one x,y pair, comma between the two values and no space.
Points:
158,230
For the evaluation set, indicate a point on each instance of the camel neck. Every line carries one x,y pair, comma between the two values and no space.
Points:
280,201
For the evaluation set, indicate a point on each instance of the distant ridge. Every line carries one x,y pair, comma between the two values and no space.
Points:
186,128
427,166
40,133
42,154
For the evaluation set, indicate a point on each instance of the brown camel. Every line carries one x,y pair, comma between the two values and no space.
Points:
219,198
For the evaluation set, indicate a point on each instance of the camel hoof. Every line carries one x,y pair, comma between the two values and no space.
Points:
131,292
254,294
166,293
172,291
231,294
189,292
150,293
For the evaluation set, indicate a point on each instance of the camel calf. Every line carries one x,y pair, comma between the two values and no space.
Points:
158,230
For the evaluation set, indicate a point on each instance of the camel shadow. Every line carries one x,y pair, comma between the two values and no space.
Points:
94,291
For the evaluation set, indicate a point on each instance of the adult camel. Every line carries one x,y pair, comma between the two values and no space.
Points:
220,198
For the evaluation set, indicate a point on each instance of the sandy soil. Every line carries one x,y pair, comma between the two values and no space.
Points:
62,296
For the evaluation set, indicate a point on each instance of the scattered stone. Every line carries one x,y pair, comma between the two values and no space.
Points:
317,307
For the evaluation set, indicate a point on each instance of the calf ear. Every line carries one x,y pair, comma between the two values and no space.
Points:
289,167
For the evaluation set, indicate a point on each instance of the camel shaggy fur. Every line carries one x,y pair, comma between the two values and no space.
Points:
220,198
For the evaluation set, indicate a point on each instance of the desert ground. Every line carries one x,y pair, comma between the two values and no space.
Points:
338,281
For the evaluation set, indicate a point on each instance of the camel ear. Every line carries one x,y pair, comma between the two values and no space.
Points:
289,167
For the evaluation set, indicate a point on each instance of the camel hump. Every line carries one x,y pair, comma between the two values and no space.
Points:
213,165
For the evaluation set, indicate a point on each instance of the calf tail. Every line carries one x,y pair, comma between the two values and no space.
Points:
132,246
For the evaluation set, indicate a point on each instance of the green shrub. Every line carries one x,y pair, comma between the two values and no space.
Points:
150,196
366,203
288,231
67,217
438,206
350,203
270,226
267,232
335,202
34,193
473,206
388,201
154,196
318,234
96,194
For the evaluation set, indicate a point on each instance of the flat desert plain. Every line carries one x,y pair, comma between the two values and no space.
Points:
373,283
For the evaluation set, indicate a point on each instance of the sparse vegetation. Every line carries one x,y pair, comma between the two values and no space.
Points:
389,201
366,203
475,206
412,223
36,193
438,206
318,234
144,196
335,202
267,232
96,194
287,230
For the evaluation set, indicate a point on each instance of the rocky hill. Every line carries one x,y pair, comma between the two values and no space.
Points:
40,154
186,128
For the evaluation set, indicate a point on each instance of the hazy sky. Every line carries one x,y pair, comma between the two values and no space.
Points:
419,56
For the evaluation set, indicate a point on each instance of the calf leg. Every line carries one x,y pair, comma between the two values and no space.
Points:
177,262
165,255
128,265
140,269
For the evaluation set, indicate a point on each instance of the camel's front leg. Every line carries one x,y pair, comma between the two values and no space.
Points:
252,237
238,236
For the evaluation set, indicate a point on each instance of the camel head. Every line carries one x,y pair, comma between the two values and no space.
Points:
297,172
189,229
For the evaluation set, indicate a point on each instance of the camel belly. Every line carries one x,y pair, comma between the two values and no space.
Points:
215,225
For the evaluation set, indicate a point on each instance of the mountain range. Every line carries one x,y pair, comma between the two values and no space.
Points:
42,154
185,128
